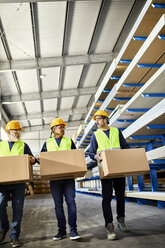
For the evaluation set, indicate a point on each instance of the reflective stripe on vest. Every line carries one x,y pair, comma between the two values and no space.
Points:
105,143
52,145
17,149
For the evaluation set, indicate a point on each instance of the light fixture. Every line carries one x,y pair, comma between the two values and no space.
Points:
42,76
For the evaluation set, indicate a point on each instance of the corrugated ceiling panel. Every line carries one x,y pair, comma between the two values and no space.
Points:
50,105
93,75
83,101
67,102
28,81
65,118
8,84
15,109
51,23
118,13
72,76
16,20
84,20
2,52
76,117
24,124
48,120
33,106
51,79
35,122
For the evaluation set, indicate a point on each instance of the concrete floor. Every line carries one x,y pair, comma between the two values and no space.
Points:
146,224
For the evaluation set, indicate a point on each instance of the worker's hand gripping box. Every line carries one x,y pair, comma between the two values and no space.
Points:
62,164
15,169
123,162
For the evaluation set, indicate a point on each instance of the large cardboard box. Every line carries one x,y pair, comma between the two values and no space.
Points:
123,162
62,164
15,169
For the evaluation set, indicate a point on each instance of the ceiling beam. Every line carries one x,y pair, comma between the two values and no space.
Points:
103,12
36,42
60,113
47,127
14,65
48,95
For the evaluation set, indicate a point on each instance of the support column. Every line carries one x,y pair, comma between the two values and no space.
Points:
130,183
153,173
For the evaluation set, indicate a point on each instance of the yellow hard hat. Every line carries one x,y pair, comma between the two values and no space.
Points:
13,125
100,112
56,122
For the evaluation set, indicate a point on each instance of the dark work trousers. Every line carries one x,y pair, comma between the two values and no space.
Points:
107,190
60,189
17,192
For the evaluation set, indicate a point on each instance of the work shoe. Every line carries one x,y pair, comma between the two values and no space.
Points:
74,234
59,236
15,242
121,225
111,235
2,235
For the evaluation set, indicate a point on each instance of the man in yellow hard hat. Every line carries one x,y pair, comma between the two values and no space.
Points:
14,146
62,188
109,138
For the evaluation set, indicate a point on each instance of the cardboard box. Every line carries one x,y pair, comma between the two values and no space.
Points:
15,169
123,162
62,164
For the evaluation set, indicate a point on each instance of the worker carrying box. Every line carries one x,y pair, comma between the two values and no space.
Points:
14,168
62,164
61,160
104,139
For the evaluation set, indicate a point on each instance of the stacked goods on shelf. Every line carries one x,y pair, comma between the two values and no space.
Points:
40,186
79,132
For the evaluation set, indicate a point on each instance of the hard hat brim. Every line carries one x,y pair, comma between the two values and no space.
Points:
59,125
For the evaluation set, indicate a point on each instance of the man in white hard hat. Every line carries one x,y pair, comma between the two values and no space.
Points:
109,138
14,146
62,188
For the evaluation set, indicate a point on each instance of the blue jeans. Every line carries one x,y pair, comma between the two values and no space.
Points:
17,192
59,189
107,191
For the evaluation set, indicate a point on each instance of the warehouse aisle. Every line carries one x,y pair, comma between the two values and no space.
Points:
146,224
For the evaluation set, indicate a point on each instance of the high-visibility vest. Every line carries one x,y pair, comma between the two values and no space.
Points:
52,145
17,149
105,143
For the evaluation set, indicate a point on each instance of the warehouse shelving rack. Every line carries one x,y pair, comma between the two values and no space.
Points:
133,92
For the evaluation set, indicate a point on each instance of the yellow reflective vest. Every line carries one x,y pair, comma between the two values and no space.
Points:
17,149
52,145
105,143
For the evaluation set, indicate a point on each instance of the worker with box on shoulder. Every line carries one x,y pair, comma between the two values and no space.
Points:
62,188
103,139
14,146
